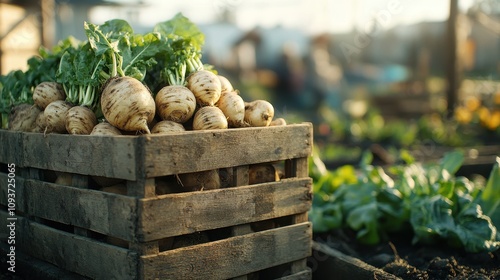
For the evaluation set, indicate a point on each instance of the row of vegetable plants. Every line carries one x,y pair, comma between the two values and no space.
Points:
427,199
122,82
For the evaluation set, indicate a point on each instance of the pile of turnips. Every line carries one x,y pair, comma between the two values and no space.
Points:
120,82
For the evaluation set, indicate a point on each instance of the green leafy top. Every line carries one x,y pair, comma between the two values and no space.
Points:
182,49
126,53
427,198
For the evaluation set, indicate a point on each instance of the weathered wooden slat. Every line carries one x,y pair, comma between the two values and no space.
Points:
231,257
302,275
10,146
207,150
160,155
74,253
106,213
177,214
4,186
82,154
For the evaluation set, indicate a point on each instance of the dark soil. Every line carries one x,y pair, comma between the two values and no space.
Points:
403,259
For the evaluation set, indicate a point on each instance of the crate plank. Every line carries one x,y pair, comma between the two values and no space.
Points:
74,253
11,146
132,157
231,257
166,156
82,154
184,213
106,213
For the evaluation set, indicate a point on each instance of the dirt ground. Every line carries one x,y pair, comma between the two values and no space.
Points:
400,258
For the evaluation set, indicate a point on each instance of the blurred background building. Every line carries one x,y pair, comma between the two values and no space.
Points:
303,54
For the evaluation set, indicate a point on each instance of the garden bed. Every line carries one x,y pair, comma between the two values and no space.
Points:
397,258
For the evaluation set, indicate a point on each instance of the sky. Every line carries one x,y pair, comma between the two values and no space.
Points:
310,16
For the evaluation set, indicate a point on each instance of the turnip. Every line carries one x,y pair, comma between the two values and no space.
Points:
165,127
127,104
205,86
65,179
23,117
278,122
80,120
175,103
262,173
259,113
47,92
198,181
39,125
55,116
166,185
225,84
105,129
209,117
233,107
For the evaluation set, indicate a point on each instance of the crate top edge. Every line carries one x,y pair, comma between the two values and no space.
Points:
173,134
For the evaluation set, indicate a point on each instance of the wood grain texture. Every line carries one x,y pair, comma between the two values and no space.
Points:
136,157
71,252
177,214
206,150
231,257
106,213
112,156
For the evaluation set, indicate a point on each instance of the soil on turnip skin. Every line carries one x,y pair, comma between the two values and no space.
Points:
403,259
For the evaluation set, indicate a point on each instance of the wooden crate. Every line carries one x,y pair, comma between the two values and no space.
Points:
241,231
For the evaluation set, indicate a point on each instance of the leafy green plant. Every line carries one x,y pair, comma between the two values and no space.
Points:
426,198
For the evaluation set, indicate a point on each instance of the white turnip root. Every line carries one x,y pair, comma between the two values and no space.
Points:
205,86
259,113
47,92
198,181
262,173
105,129
80,120
175,103
65,179
127,104
39,125
23,117
166,185
55,116
165,127
225,84
278,122
233,107
209,117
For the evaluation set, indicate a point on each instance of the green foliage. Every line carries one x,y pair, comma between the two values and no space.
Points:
429,199
183,43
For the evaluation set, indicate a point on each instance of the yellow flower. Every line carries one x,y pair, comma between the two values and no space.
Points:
494,121
472,103
462,115
496,98
484,114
